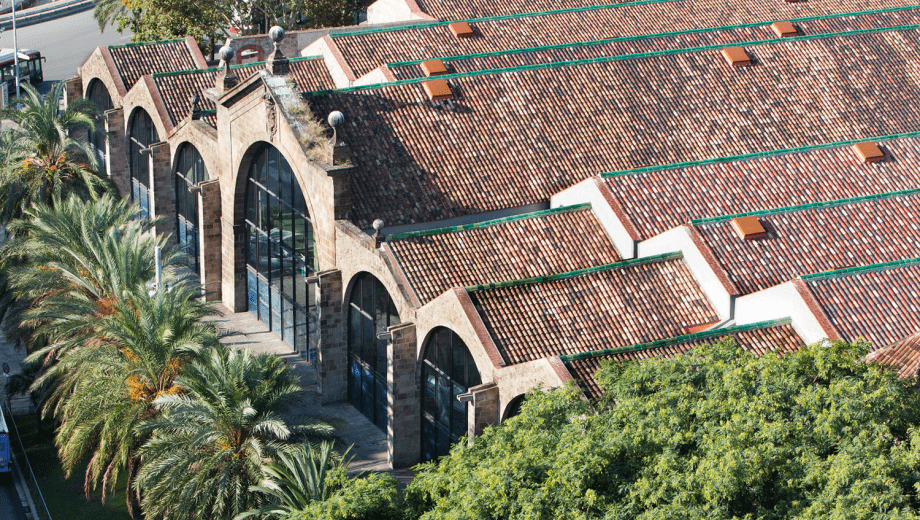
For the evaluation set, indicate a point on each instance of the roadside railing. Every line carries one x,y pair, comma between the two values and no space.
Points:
31,481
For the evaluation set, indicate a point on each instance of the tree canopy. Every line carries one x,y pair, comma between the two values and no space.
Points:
716,433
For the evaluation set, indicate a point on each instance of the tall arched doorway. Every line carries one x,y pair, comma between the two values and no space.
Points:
448,370
370,312
189,171
99,95
141,134
280,251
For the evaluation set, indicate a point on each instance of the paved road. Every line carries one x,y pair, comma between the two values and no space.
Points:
10,506
65,42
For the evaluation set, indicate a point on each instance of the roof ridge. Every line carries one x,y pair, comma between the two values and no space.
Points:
754,155
578,272
655,35
672,340
232,67
623,57
860,269
138,44
804,207
486,223
499,17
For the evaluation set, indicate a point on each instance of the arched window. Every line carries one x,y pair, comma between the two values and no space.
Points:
99,95
190,171
514,407
447,371
280,253
370,312
142,134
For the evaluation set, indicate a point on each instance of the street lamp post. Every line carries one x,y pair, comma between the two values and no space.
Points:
15,51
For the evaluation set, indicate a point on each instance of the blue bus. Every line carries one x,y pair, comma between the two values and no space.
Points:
6,464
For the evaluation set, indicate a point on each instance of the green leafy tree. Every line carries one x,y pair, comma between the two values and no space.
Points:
371,497
211,442
716,433
46,161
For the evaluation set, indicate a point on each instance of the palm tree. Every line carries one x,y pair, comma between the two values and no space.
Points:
297,478
211,442
106,391
49,162
68,262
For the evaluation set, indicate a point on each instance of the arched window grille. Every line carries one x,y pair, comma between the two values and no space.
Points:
99,95
142,134
447,371
370,312
190,171
280,252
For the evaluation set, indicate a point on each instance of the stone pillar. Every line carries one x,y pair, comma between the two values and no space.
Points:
209,234
73,90
163,190
403,407
233,265
332,350
484,408
116,152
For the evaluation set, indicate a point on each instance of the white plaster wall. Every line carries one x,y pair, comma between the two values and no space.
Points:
387,11
678,239
373,77
518,379
587,191
321,47
781,301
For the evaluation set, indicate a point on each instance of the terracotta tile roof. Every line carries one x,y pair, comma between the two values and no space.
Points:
904,356
369,49
535,244
457,9
134,60
880,303
656,200
816,238
759,338
507,139
624,45
623,304
176,88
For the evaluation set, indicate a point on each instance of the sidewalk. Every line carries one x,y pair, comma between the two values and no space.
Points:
44,12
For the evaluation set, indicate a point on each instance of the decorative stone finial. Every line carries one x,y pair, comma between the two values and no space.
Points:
378,235
194,111
225,78
336,119
277,64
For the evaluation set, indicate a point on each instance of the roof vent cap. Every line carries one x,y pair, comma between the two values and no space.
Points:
437,90
784,29
433,68
748,227
461,29
868,152
736,56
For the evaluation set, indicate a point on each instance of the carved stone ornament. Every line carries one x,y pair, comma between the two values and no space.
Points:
271,113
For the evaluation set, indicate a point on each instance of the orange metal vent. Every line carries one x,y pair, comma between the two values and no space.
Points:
748,228
736,56
437,90
433,67
868,152
784,29
461,29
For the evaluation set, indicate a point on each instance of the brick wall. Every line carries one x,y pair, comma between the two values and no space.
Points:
116,151
483,410
403,406
163,190
210,236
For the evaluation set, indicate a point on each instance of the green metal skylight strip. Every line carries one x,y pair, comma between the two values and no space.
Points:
652,36
803,207
861,269
573,274
485,223
232,67
499,17
623,57
755,155
674,340
139,44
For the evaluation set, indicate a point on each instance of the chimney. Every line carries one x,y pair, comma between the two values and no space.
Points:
736,56
225,79
437,90
461,30
433,68
784,29
868,152
277,64
749,227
